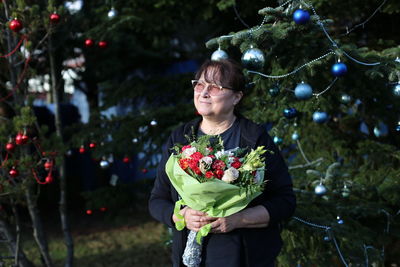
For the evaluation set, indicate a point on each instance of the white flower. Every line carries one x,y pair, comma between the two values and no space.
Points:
230,175
205,163
188,152
223,152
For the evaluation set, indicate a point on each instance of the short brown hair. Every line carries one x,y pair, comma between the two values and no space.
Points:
227,71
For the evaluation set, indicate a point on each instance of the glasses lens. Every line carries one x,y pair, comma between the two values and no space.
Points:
214,89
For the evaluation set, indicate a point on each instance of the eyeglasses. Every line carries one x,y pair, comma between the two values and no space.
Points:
213,89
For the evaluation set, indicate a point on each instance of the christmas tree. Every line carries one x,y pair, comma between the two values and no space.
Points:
325,77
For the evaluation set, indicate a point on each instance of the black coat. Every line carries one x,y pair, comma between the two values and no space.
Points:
261,245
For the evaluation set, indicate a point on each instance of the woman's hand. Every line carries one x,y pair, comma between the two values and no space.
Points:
194,219
225,224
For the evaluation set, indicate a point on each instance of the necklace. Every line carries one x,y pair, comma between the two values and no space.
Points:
217,130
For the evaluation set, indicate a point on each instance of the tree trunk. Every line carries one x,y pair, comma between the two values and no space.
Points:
38,232
61,166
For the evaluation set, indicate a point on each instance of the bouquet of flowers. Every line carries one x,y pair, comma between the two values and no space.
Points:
213,180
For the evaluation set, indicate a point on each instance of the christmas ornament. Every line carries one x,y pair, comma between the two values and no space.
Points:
339,69
112,13
153,123
295,136
103,209
10,147
89,43
68,153
219,54
82,149
89,212
396,89
301,16
21,139
345,98
303,91
126,159
339,220
253,59
103,44
274,91
48,165
398,127
104,164
381,130
278,140
345,191
327,238
54,18
13,172
92,145
135,140
320,117
49,179
15,25
320,189
290,113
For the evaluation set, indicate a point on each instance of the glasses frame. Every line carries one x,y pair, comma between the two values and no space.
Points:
194,82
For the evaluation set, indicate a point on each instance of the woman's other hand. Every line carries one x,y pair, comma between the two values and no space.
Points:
194,219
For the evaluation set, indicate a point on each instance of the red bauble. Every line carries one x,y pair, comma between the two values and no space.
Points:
49,179
92,145
103,209
103,44
89,42
55,18
13,173
82,150
21,139
126,160
48,165
10,147
15,25
89,212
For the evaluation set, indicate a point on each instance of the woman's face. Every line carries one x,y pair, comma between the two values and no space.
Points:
210,105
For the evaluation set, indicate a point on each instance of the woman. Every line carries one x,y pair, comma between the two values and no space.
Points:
250,237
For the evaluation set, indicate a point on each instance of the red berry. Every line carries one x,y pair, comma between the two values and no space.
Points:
89,42
126,160
15,25
103,44
13,173
89,212
92,145
82,150
48,164
54,18
10,147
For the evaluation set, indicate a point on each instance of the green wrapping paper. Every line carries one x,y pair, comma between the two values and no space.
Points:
214,197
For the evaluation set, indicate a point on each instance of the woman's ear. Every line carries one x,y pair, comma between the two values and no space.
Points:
238,97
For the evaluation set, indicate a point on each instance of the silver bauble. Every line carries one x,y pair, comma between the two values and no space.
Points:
345,98
153,123
219,54
253,59
320,190
345,191
396,89
295,136
104,164
112,13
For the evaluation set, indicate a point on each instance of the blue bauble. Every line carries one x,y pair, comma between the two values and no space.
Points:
301,16
295,136
303,91
381,130
320,117
396,90
290,113
339,69
278,140
274,91
253,59
320,190
398,128
218,55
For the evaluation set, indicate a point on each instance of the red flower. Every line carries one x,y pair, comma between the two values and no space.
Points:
209,174
219,173
184,163
196,156
218,164
192,164
186,147
210,149
236,164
